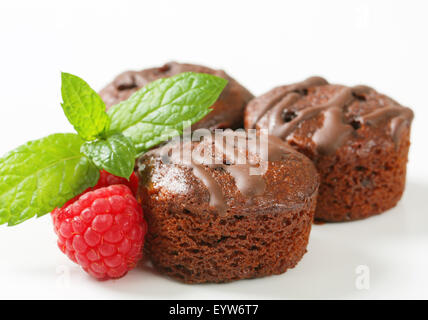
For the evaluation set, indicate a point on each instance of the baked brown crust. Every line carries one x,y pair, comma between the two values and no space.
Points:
227,110
357,138
256,235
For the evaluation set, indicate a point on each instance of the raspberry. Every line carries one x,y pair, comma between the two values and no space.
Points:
102,230
107,179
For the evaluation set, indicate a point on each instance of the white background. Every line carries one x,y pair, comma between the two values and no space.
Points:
262,44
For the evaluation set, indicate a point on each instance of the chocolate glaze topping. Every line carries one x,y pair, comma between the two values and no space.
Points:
216,194
299,87
226,152
334,130
400,118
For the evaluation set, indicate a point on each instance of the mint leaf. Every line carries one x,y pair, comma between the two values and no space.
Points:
157,112
116,154
83,107
41,175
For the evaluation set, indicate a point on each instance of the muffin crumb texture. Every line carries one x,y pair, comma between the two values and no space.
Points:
195,248
258,225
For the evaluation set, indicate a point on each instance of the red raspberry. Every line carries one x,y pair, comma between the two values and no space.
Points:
103,231
107,179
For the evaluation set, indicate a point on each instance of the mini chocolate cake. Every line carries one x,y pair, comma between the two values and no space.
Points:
357,138
227,112
218,222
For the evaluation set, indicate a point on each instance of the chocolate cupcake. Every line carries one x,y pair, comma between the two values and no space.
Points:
213,220
357,138
227,111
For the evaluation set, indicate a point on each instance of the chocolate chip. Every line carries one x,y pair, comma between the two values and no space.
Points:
355,124
126,86
288,115
165,68
359,97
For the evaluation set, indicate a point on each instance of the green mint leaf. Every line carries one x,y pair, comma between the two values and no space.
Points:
41,175
157,112
83,107
116,154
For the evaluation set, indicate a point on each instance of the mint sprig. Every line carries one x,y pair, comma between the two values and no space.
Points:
157,112
43,174
83,107
116,154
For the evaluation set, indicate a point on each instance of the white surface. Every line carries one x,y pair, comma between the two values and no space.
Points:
262,44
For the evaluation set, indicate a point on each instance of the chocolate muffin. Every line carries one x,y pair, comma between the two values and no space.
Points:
357,138
213,220
227,111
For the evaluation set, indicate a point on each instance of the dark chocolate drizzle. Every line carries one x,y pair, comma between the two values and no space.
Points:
334,131
299,87
249,185
400,119
216,193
